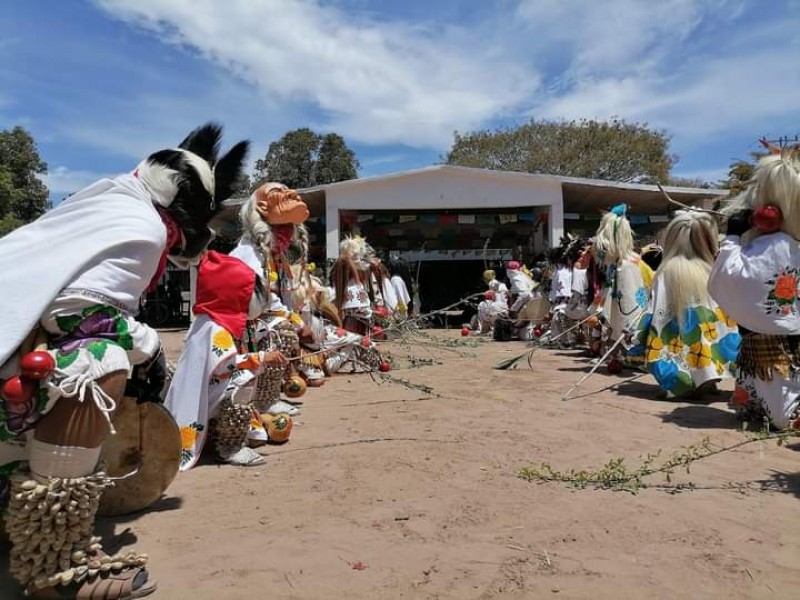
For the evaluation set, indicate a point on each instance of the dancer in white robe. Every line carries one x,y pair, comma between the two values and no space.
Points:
105,246
687,341
219,359
755,279
628,279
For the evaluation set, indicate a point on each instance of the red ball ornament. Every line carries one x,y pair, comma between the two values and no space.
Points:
366,342
381,312
37,365
341,332
615,366
377,332
465,331
18,390
384,367
537,331
767,219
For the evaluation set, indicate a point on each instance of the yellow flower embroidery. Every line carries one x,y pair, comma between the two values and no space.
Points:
188,437
295,318
222,340
709,330
675,346
654,349
699,356
729,323
273,276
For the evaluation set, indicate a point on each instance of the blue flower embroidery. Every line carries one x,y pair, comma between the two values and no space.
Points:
636,350
642,297
665,372
690,321
729,346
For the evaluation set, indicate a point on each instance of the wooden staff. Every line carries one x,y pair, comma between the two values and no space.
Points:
687,207
594,368
510,363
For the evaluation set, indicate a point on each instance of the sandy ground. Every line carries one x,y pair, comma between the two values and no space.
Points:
384,492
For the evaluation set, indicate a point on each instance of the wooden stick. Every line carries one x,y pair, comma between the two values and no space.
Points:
560,335
594,368
686,206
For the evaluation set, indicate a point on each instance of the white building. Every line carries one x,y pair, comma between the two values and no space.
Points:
457,219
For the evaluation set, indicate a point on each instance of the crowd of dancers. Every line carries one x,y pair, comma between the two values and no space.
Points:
266,329
692,310
695,311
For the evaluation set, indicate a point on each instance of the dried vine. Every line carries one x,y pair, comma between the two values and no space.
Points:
616,475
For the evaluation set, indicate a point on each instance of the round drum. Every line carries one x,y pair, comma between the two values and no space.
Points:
536,309
147,438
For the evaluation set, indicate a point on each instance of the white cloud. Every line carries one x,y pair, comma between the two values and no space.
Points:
689,66
705,70
62,181
374,82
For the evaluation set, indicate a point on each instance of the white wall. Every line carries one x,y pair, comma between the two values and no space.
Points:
443,189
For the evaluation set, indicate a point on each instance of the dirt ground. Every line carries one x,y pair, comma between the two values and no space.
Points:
386,492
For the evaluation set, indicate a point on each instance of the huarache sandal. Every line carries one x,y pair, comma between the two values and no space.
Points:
243,457
129,583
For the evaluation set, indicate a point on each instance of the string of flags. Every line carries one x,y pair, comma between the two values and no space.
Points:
444,219
634,219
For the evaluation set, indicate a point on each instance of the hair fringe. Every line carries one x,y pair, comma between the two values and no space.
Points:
690,247
255,227
614,238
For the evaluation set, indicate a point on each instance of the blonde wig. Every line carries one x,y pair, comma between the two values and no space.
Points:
614,239
311,290
690,247
349,247
776,181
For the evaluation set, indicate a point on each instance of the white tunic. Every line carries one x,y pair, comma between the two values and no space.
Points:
757,284
500,291
401,290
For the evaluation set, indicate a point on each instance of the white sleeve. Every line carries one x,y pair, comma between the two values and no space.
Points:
401,291
756,284
389,295
145,341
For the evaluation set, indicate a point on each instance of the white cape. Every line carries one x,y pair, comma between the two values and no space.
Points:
192,396
40,259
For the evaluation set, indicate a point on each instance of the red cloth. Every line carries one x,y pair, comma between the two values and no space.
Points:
224,287
173,238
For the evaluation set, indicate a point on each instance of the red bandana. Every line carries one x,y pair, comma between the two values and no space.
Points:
224,287
283,237
173,238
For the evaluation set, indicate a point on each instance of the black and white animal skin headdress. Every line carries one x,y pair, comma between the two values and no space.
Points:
191,181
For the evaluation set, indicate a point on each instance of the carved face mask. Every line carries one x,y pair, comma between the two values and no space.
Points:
279,205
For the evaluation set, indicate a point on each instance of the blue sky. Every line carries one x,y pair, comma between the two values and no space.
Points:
102,84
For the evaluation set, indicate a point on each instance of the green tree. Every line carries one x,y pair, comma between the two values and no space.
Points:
740,172
335,161
611,150
302,158
23,196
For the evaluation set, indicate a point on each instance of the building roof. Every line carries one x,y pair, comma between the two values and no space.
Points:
580,195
